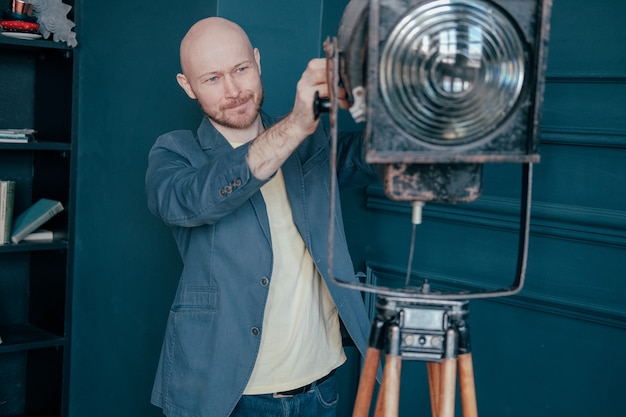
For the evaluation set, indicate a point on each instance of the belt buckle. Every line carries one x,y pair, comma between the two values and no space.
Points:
293,392
303,389
279,395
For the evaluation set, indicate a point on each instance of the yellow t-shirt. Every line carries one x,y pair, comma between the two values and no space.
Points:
301,339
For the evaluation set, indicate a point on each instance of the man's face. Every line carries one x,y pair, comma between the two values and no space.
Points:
225,78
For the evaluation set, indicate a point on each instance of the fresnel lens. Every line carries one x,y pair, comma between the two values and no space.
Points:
446,81
451,72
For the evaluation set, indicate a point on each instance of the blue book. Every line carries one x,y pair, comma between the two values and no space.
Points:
36,215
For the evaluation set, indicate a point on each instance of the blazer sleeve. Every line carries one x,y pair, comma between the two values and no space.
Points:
352,170
188,186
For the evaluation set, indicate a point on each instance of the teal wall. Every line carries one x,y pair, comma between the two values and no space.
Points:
554,350
126,265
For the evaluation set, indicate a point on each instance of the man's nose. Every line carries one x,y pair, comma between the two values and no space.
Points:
231,87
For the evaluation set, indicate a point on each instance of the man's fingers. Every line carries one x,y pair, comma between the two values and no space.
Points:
316,71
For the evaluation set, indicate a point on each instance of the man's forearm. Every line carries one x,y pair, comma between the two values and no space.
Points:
271,148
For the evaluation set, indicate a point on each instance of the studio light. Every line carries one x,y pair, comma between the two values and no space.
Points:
444,87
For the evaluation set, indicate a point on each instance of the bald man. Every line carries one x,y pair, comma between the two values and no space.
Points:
255,328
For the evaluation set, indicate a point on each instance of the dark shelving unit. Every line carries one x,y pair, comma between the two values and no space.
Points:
37,91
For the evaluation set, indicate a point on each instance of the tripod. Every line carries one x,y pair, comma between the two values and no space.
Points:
419,329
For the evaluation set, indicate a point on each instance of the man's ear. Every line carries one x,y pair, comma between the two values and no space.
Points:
257,58
184,83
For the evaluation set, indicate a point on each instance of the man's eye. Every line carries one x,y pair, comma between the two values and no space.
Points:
241,69
211,80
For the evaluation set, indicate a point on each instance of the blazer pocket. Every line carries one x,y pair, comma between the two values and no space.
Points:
196,299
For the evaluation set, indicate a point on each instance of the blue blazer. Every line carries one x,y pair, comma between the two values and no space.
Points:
203,189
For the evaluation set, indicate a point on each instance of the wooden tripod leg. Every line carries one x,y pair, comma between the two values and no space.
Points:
434,384
388,403
448,375
366,384
380,402
391,393
370,369
448,387
466,372
468,389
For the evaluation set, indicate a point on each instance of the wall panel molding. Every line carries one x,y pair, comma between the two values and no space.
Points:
595,313
597,137
596,120
587,224
586,77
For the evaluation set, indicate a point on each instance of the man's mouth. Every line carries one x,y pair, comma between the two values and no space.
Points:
236,104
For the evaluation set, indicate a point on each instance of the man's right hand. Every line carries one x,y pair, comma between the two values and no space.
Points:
314,79
271,148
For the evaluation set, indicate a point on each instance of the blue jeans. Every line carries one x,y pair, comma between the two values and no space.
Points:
320,401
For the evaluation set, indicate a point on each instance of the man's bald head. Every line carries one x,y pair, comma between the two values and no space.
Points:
211,34
222,71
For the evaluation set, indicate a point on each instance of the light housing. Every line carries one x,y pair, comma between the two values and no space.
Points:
446,81
444,86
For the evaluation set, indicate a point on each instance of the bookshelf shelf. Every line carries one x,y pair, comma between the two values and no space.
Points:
24,337
37,81
33,44
58,244
37,146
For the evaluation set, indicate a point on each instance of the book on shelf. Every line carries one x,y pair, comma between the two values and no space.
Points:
7,197
39,235
36,215
45,235
16,135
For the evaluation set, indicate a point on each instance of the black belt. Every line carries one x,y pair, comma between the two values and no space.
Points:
305,388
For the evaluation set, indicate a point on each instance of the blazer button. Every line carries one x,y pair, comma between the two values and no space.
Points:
265,281
255,331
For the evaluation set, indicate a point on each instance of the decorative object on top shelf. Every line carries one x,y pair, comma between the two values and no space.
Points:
39,17
19,26
20,6
20,11
18,22
52,18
